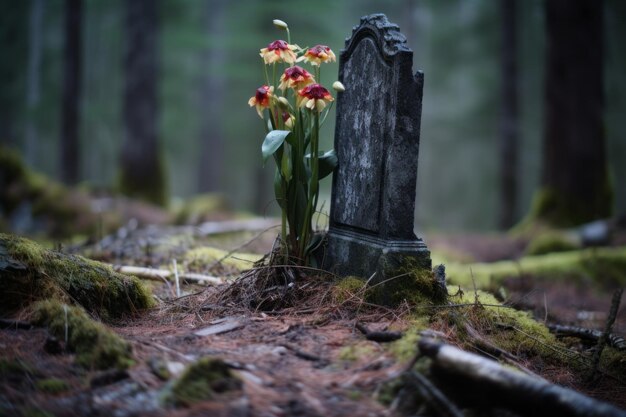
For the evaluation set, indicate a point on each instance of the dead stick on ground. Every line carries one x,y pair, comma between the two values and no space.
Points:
380,337
483,378
617,297
582,333
160,274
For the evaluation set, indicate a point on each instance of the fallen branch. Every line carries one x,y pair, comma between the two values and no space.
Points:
381,337
476,379
161,274
591,335
231,226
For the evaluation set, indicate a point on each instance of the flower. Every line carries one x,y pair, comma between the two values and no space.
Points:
279,51
314,97
337,86
318,54
295,77
261,99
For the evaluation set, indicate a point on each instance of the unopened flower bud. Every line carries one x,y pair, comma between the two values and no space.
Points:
283,102
280,24
337,86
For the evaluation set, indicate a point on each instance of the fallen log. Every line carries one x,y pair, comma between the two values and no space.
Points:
482,382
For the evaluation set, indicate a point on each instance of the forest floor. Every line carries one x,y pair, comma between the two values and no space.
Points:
306,359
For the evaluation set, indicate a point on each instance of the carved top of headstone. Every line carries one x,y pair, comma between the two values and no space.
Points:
377,132
388,35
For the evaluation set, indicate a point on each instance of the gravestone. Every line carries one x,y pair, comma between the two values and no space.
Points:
377,142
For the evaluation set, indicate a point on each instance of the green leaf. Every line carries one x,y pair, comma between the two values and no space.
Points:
327,162
272,142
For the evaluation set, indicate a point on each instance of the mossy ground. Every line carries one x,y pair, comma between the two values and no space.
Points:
199,259
606,265
551,242
202,381
38,273
95,345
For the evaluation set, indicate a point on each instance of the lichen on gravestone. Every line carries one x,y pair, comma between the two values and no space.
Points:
377,142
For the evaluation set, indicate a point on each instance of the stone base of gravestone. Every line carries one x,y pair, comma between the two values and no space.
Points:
395,267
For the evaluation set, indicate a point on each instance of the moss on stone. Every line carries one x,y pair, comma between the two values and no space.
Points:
95,345
405,280
52,385
31,272
550,242
201,381
601,264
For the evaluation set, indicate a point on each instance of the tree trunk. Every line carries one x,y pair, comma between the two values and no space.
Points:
575,183
142,172
72,75
508,114
33,78
212,99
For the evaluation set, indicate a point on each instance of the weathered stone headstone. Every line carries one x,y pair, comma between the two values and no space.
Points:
377,141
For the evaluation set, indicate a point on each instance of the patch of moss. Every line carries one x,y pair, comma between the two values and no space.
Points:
601,264
550,242
195,209
38,273
347,288
51,385
405,280
355,352
614,362
405,348
199,259
94,344
507,328
201,381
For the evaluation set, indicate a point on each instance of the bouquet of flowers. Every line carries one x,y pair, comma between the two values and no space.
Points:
293,106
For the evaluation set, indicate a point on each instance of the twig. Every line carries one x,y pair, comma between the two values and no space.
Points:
380,337
560,330
617,298
303,355
161,274
176,278
9,324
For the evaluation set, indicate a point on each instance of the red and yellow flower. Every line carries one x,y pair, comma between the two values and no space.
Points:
314,97
279,51
318,54
295,77
261,99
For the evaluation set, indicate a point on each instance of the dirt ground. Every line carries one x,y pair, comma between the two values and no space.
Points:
299,361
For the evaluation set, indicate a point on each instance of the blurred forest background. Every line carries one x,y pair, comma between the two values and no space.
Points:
203,58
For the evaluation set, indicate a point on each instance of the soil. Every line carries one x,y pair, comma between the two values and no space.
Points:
293,362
